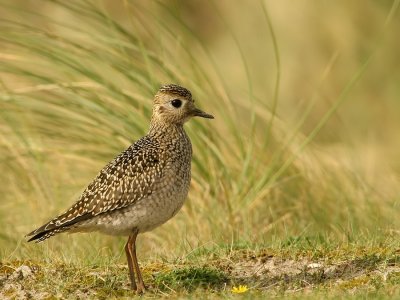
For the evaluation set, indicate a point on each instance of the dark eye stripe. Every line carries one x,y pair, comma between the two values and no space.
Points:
176,103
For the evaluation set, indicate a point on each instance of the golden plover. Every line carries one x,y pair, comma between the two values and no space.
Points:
143,187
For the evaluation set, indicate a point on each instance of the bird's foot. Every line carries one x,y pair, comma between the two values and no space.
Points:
140,289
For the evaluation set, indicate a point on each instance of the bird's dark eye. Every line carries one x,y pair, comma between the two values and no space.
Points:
176,103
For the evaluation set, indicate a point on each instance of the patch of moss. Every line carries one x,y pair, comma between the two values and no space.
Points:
355,282
191,278
394,278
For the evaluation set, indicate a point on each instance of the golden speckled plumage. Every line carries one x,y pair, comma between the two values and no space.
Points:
144,186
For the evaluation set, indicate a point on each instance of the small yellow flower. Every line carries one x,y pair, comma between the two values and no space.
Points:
240,289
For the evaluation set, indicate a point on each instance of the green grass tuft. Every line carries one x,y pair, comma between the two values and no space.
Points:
191,278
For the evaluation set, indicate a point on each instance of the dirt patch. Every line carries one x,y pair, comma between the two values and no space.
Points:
268,271
12,283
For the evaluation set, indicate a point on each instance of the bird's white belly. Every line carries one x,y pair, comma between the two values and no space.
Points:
147,214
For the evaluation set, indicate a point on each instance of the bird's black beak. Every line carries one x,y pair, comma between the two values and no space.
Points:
199,113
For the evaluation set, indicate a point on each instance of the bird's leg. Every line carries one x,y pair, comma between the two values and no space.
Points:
140,284
129,256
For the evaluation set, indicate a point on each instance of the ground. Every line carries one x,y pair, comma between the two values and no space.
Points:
345,272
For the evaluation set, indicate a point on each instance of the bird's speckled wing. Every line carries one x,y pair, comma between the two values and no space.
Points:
125,180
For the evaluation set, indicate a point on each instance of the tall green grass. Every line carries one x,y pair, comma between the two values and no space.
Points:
77,81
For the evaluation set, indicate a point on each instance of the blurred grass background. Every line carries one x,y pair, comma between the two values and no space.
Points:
305,94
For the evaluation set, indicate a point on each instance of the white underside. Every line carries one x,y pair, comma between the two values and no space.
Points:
145,215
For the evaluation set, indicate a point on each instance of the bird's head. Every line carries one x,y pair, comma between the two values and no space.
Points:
173,104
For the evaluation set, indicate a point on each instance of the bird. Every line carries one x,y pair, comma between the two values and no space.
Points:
142,187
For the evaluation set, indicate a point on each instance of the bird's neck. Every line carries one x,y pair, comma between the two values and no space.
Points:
165,130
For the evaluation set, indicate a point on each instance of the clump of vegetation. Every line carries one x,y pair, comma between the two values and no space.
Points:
191,278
